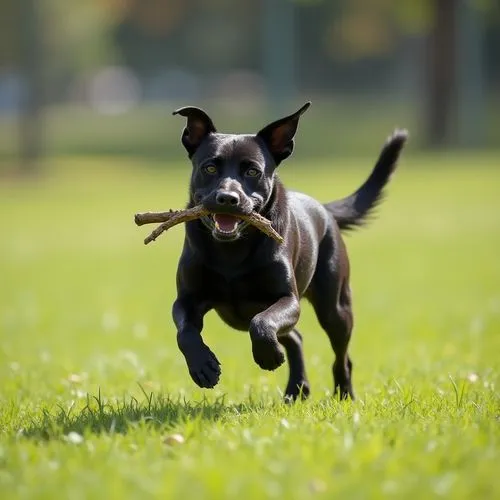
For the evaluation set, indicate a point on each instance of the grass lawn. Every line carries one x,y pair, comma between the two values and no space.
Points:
93,387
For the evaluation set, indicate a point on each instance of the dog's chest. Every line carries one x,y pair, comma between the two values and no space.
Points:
238,300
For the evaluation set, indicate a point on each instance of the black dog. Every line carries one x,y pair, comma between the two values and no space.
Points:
254,283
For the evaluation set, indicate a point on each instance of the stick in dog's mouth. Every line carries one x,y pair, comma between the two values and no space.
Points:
173,217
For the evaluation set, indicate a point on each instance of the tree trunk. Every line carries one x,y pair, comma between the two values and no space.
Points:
278,53
441,81
30,127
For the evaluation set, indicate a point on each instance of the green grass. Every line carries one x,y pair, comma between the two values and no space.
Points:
92,383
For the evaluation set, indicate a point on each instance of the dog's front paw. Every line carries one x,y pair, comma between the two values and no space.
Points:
204,367
267,354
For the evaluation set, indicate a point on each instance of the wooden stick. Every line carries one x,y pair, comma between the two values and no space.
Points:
174,217
264,225
177,216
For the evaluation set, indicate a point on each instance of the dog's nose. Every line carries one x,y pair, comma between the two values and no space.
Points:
227,198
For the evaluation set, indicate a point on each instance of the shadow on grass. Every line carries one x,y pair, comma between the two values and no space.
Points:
100,416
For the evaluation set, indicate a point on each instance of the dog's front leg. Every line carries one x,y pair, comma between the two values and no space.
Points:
266,327
203,366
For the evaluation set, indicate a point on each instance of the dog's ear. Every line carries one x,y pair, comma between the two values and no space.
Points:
198,126
278,136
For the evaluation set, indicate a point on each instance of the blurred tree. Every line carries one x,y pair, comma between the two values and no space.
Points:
10,42
32,97
454,62
20,55
204,37
456,71
148,33
46,40
278,52
440,72
77,39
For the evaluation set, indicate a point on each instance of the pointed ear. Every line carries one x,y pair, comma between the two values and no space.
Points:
278,136
198,126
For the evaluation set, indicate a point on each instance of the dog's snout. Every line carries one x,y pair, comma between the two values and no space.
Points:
227,198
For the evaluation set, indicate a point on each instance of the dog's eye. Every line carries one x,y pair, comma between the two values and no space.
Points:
210,169
252,172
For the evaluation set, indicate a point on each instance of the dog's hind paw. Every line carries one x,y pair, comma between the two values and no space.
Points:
297,390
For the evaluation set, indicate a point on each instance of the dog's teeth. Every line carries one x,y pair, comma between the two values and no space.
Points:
223,229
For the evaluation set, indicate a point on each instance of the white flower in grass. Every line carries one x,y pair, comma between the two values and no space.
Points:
77,393
356,418
77,378
74,438
284,423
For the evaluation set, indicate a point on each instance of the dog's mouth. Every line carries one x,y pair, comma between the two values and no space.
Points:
224,227
226,224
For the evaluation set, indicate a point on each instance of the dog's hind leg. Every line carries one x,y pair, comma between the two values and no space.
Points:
298,385
331,298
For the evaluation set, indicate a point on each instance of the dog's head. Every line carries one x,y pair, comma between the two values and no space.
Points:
233,174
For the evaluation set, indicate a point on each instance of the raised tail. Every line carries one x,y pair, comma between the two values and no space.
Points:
354,210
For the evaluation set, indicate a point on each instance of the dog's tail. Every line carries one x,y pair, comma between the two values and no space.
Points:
354,210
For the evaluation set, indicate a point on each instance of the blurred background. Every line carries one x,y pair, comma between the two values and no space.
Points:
101,77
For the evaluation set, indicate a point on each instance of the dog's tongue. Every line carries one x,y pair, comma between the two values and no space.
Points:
226,223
